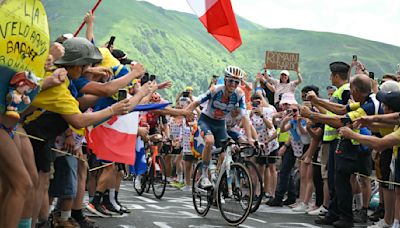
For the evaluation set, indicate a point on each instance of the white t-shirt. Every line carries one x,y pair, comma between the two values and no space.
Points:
262,131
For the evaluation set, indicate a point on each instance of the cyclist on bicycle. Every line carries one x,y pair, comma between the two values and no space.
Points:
221,101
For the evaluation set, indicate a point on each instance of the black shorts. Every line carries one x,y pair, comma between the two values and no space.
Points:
364,163
189,157
384,165
47,127
266,160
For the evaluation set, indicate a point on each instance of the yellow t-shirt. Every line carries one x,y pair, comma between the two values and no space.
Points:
396,134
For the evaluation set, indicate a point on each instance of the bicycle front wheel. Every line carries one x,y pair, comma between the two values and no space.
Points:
202,198
158,177
235,194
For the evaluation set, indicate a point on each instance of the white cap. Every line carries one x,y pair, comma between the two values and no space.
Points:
288,98
284,72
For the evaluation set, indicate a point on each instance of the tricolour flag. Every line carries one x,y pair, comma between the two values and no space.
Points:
115,140
219,19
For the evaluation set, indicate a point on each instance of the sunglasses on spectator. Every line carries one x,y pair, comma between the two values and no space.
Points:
231,81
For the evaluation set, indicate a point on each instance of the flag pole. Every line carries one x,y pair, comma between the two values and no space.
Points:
83,23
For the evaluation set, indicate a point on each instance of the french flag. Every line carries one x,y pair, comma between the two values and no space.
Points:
115,139
219,19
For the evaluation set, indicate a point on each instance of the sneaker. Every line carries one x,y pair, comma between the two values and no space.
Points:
288,202
378,214
318,211
205,182
186,189
124,209
311,208
380,224
87,223
323,211
98,210
275,203
301,207
361,216
111,209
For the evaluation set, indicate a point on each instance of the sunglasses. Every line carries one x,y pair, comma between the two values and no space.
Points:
231,81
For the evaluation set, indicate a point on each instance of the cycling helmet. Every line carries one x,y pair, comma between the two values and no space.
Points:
234,72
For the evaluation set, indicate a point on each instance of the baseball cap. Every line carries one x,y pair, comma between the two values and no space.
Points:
284,72
389,99
121,56
79,52
339,67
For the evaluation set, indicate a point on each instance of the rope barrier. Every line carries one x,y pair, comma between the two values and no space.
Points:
106,165
100,167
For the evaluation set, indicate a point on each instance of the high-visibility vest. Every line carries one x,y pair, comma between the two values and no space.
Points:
282,136
330,133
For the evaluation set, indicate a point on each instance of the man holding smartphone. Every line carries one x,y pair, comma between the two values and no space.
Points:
340,212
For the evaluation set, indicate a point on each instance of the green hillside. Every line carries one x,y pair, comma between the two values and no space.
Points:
176,46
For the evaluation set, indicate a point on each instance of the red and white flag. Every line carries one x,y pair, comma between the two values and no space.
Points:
115,140
219,19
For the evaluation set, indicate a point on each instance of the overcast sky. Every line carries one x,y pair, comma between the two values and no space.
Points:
377,20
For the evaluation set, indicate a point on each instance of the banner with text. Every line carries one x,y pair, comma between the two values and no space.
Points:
281,60
24,46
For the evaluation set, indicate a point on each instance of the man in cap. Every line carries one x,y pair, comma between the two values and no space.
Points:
389,144
346,155
339,79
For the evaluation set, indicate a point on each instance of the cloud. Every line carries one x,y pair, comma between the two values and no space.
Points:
369,19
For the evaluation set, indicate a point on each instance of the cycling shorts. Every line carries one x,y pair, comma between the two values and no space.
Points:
214,127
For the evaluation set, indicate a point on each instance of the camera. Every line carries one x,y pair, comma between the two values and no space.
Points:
185,94
354,57
122,94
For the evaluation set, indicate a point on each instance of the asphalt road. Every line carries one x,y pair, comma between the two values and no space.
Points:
175,209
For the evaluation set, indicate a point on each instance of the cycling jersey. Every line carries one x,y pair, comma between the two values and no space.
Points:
218,106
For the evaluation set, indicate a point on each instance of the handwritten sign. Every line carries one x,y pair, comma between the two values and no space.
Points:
24,41
281,60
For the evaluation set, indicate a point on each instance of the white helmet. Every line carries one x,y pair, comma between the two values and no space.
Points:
234,72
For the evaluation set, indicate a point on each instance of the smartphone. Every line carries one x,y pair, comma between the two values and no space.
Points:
354,57
185,94
371,75
289,111
345,121
122,94
111,42
145,78
152,77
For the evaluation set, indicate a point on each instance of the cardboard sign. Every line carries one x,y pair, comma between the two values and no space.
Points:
24,42
281,60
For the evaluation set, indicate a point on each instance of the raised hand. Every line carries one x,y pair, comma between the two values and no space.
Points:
89,18
138,69
120,108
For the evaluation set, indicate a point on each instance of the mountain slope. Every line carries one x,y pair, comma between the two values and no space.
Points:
176,46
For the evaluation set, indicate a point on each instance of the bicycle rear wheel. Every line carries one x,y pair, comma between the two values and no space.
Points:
158,177
235,205
257,181
202,198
